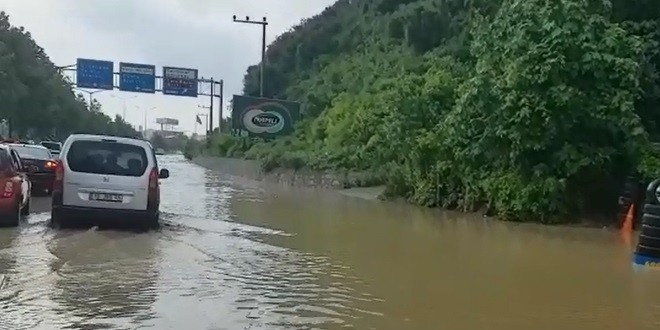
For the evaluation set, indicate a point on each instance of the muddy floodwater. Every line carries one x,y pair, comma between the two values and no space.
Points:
236,255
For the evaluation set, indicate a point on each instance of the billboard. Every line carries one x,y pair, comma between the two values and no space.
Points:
180,81
167,121
137,77
94,74
264,117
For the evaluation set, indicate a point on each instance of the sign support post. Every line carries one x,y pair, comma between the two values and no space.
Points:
211,107
222,87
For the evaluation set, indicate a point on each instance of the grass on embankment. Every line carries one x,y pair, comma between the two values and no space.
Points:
287,154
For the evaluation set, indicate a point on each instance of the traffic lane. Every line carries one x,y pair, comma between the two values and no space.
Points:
93,278
40,204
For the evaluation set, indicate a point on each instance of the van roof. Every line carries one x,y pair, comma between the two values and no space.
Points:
98,137
137,136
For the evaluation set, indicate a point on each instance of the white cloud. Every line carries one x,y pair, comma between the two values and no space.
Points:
183,33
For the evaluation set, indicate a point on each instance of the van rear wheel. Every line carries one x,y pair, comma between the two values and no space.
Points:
152,221
56,220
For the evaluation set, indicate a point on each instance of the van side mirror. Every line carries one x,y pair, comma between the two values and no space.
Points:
164,174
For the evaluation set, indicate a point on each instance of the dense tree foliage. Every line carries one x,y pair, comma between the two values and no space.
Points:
36,99
535,109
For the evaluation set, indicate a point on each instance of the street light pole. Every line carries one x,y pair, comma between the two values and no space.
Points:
209,130
144,129
90,93
206,119
123,99
60,70
263,23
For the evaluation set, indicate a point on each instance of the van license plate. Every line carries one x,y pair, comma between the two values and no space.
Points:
106,197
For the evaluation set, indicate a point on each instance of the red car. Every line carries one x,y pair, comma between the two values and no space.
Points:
15,187
39,164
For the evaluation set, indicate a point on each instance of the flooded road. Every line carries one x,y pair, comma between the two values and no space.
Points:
233,255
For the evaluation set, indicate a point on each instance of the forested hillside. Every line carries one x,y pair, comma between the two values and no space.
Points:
535,109
35,98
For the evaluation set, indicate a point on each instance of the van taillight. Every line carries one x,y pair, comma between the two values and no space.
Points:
9,190
58,182
153,195
153,179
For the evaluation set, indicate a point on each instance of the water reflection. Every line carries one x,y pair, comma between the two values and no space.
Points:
7,259
220,190
250,284
104,275
285,289
450,270
182,193
302,259
217,194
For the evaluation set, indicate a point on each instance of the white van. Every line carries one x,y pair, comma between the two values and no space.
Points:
101,177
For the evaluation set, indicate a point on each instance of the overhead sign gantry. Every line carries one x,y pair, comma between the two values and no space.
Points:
142,78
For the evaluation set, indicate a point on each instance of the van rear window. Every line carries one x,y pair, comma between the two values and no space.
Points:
109,158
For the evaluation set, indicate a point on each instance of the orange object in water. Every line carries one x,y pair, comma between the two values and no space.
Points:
627,225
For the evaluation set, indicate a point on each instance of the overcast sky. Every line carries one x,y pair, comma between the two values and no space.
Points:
196,34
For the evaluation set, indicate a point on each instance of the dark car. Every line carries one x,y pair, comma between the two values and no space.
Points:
14,188
53,146
39,164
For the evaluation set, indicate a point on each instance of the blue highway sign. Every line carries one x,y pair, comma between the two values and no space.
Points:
94,74
179,81
137,77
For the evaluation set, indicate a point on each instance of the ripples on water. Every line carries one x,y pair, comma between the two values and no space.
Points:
200,271
327,263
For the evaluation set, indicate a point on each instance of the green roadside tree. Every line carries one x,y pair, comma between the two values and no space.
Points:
37,99
548,116
533,108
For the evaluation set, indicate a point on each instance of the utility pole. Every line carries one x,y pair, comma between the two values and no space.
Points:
263,23
211,105
222,96
215,85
